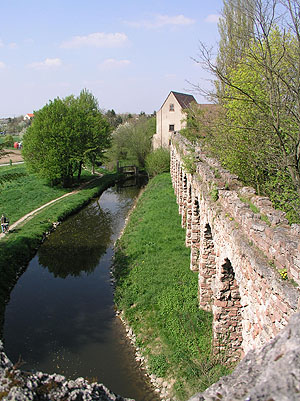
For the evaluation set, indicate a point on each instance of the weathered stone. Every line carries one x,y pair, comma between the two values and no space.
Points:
16,385
271,373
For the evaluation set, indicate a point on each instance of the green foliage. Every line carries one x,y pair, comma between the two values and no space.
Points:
132,141
158,292
8,141
158,162
256,136
214,193
64,134
114,119
189,162
283,274
195,127
158,365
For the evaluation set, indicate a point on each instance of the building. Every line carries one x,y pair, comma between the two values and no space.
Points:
170,117
28,116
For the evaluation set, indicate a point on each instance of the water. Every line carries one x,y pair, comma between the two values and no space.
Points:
60,317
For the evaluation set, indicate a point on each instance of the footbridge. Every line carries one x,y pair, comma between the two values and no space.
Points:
245,253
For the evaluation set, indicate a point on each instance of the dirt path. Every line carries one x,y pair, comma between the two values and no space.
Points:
11,154
33,212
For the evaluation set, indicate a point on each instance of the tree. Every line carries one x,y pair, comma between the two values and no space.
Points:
132,141
258,86
114,119
64,134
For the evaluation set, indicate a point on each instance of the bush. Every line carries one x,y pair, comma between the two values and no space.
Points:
9,141
158,162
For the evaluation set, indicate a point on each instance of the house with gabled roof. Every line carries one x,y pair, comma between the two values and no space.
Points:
170,117
28,116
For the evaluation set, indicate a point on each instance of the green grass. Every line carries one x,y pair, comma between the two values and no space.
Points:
21,192
158,293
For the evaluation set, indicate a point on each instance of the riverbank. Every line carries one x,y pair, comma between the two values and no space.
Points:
157,294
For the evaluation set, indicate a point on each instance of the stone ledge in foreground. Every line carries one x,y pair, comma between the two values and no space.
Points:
271,373
16,385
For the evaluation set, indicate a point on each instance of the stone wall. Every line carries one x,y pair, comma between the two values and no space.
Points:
237,252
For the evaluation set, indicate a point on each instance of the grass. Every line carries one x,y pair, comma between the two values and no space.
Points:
21,192
158,293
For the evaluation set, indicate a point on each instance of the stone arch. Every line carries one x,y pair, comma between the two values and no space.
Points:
195,235
183,206
207,269
179,186
227,319
189,211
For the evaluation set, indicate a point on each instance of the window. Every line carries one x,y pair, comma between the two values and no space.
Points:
171,107
171,127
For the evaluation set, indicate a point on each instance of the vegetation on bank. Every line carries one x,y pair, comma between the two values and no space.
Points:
132,142
64,135
157,292
27,192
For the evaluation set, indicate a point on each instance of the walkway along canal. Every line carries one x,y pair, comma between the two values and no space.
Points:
61,318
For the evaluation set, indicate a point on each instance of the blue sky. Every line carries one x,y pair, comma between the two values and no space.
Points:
129,54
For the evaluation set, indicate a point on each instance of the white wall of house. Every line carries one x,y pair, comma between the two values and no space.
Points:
169,118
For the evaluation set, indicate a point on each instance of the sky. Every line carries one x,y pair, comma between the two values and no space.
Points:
129,53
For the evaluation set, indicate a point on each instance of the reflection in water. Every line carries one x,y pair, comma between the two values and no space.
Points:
81,238
61,318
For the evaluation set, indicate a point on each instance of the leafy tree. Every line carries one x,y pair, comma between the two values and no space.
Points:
132,141
114,119
64,134
158,162
8,141
257,81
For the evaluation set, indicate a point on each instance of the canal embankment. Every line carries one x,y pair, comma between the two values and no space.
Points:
156,294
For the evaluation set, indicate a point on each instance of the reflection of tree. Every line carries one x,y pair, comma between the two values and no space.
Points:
78,243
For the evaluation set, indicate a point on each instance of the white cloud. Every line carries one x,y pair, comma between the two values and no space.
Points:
2,65
162,20
97,39
47,63
213,18
1,43
12,45
113,63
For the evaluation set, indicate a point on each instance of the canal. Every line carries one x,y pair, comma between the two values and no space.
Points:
61,318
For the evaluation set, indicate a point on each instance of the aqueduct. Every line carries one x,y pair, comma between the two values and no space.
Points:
238,253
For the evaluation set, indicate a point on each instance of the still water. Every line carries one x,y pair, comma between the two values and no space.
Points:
60,317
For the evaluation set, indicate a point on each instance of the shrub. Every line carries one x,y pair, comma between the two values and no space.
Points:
9,141
158,162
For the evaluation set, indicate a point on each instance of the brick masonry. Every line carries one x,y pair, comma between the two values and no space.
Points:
236,252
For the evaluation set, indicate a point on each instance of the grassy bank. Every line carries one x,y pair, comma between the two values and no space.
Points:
158,293
21,192
19,246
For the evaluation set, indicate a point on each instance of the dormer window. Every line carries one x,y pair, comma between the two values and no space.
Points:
172,107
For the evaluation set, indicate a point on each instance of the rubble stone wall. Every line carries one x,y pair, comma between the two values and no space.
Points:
238,253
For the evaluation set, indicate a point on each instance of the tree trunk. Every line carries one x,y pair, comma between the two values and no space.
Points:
79,171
